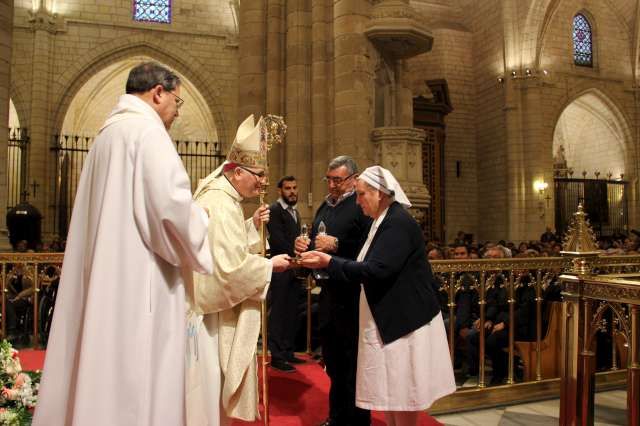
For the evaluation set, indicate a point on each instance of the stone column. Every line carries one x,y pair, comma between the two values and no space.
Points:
398,35
321,88
41,168
6,32
252,53
353,80
298,102
275,76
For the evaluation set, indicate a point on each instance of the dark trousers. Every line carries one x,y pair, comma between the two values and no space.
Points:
284,298
339,337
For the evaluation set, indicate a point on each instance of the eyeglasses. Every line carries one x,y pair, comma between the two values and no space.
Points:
179,100
259,175
337,180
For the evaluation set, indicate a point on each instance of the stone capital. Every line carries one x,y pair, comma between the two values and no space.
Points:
399,149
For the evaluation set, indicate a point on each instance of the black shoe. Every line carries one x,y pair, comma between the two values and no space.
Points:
294,360
281,365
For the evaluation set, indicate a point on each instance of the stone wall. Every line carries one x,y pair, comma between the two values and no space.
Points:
6,19
55,55
311,62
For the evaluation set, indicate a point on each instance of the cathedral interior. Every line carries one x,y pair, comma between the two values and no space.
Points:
498,117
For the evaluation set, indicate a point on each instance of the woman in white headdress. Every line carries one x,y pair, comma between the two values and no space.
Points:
403,356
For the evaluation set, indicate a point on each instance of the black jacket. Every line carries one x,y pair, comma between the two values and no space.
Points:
283,230
398,282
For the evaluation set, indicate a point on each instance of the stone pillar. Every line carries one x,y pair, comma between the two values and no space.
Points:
399,149
398,35
353,80
321,88
298,102
41,169
6,32
275,76
252,53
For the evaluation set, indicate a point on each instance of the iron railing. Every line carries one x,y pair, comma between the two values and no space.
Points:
199,158
605,202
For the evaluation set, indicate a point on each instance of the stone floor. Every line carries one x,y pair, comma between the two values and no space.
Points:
610,409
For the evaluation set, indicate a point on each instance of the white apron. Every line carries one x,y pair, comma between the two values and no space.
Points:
408,374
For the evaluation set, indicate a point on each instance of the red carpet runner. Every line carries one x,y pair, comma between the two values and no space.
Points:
302,398
297,399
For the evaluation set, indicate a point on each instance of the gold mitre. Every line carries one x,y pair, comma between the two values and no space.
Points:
247,149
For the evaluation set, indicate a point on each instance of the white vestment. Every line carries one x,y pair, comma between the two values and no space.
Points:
408,374
224,319
116,349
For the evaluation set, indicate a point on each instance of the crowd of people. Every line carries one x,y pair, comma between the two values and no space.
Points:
549,245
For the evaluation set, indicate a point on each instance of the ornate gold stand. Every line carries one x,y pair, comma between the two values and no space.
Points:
586,298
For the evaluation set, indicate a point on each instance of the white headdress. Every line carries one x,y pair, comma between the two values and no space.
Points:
382,180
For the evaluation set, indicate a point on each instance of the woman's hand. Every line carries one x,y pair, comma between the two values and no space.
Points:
314,259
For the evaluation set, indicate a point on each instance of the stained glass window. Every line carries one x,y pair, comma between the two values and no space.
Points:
582,41
152,11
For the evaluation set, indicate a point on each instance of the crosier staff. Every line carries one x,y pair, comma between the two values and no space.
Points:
273,130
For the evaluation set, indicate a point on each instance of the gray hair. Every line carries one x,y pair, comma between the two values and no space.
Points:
344,160
147,75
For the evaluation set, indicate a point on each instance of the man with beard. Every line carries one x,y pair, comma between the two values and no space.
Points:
285,292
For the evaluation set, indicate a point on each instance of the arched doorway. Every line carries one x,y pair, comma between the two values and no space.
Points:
17,159
194,132
590,145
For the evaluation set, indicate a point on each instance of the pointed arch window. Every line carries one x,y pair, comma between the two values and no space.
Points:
152,11
582,41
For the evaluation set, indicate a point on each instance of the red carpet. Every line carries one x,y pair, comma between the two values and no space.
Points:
297,399
302,398
31,360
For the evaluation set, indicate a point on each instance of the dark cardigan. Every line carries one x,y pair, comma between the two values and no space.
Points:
398,282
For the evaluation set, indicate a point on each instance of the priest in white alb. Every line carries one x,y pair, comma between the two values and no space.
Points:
115,354
224,316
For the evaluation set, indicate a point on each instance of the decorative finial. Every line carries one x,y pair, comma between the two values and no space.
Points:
275,129
580,242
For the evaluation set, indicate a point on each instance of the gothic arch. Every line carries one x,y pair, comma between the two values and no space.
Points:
112,52
15,94
619,123
539,18
622,119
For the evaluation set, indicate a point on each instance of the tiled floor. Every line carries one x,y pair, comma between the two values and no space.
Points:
610,409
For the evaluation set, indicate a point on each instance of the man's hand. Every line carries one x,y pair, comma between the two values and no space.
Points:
301,244
261,215
315,259
326,243
280,262
487,324
498,327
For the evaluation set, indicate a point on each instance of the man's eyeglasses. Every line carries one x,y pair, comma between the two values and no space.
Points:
259,174
179,100
336,180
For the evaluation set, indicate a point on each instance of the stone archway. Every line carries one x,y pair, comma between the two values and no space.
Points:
593,157
194,131
96,98
118,50
595,136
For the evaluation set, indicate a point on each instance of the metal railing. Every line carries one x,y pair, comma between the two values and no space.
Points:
199,158
534,276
